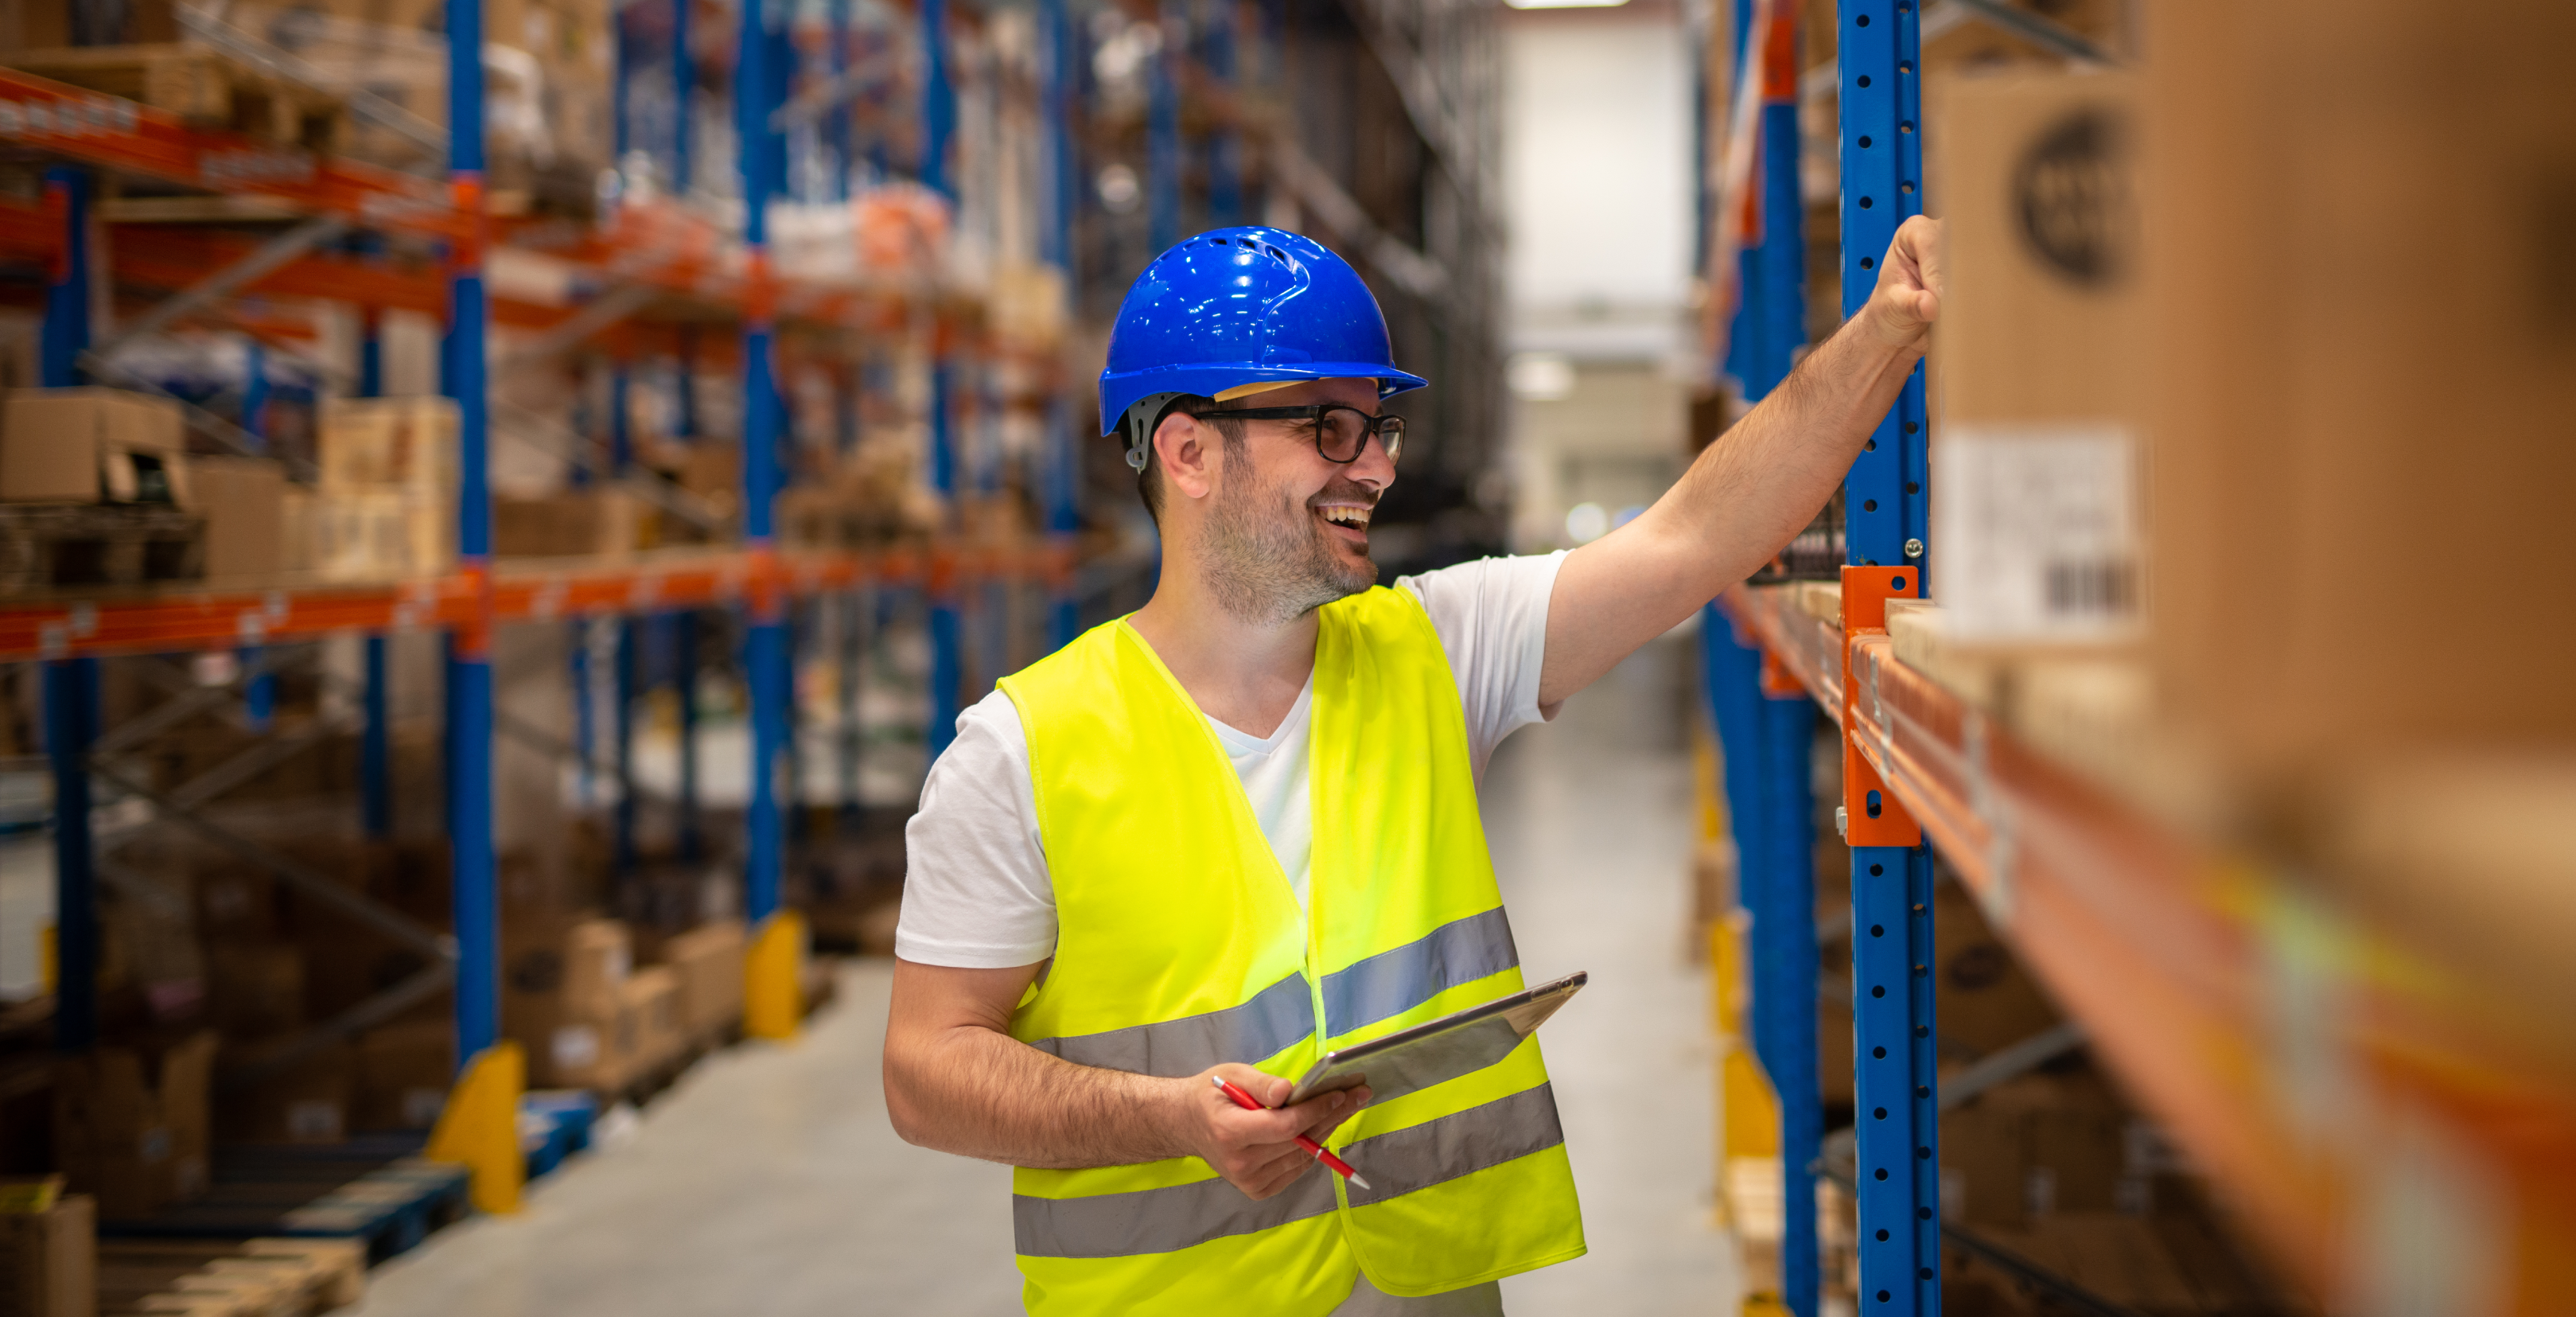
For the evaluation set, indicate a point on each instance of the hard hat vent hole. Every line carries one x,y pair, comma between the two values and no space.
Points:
1277,255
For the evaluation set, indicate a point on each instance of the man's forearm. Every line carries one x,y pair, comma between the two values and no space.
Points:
1766,477
979,1093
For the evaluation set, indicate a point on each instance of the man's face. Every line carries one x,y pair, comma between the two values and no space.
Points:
1286,529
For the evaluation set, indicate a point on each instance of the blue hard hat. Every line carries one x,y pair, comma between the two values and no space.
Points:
1244,306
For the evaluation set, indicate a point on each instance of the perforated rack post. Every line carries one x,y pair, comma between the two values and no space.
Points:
1884,504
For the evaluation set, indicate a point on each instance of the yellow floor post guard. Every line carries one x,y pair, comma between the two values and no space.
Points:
1748,1127
774,977
479,1128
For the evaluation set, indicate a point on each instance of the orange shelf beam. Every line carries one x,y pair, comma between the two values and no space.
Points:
173,620
2335,1083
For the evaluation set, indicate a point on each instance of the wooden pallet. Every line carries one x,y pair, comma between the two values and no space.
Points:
201,85
373,1190
254,1278
45,546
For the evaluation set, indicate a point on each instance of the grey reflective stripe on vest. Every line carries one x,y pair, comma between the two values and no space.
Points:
1399,1162
1159,1220
1275,1019
1393,982
1437,1151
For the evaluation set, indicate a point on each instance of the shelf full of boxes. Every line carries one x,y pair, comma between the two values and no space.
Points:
339,458
2245,892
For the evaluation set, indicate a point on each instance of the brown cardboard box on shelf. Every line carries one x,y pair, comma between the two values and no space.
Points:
243,500
591,521
564,998
256,990
2036,525
307,1102
54,24
92,446
651,998
376,444
404,1073
2360,431
1985,999
709,962
136,1143
598,958
380,535
49,1257
592,1046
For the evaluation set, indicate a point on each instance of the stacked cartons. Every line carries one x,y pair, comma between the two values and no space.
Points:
2037,535
546,63
243,500
2355,229
578,523
404,1073
587,1017
134,1144
92,446
307,1101
385,507
709,963
48,1252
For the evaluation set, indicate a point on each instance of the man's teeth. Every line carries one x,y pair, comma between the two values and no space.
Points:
1358,517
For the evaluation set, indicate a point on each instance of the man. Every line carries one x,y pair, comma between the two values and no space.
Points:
1238,828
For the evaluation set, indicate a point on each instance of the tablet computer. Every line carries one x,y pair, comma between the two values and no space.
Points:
1412,1059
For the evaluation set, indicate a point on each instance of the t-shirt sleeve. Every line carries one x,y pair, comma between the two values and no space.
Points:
1492,618
975,889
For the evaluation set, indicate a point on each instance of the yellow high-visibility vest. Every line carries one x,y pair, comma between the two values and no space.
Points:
1180,945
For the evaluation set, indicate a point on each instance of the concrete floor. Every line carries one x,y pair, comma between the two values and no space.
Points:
769,1181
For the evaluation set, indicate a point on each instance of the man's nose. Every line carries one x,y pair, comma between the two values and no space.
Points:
1372,467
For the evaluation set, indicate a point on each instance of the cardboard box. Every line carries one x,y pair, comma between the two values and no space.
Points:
598,957
373,445
1984,998
652,1002
381,535
92,446
593,521
49,1259
2360,426
243,500
135,1141
2036,526
709,963
257,989
404,1074
308,1102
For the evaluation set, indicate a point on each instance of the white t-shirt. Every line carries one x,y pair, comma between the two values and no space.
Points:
975,891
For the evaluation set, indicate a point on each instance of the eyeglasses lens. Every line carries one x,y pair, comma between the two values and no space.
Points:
1344,430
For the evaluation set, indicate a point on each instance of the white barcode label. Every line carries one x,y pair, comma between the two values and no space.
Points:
2035,532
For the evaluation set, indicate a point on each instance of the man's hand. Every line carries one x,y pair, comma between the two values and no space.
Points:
1907,300
1256,1151
1754,488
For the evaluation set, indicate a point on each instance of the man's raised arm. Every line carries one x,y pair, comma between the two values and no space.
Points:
1754,489
955,1080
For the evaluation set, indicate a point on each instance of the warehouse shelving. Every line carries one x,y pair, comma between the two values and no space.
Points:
639,285
2389,1122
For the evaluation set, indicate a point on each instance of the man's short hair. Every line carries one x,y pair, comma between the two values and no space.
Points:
1149,478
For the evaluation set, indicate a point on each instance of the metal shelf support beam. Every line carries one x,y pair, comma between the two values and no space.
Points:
759,84
71,725
469,671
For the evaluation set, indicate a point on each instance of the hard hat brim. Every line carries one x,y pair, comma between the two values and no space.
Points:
1120,391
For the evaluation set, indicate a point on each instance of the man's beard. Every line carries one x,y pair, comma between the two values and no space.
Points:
1267,558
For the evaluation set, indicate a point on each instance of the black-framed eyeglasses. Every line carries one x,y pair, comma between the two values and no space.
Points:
1341,433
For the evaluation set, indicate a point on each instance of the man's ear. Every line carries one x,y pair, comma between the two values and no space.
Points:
1188,457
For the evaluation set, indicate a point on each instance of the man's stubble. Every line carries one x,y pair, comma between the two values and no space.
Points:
1265,558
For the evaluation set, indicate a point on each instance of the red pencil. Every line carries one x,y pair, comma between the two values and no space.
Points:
1246,1101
